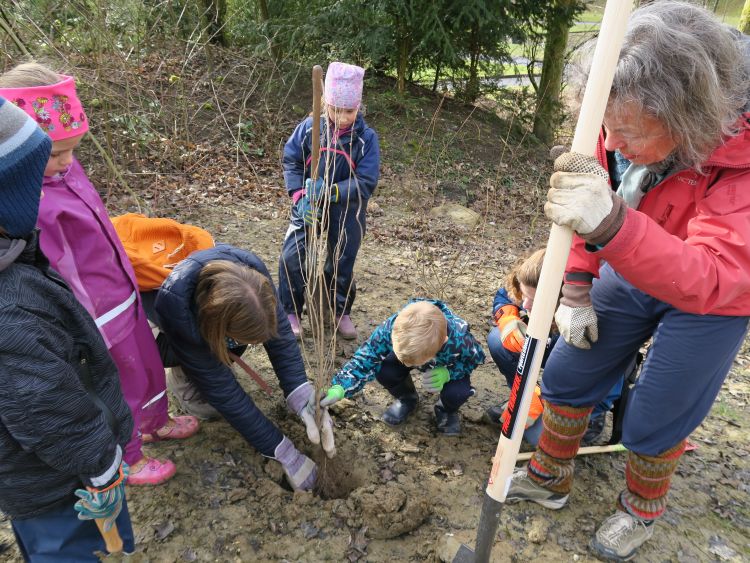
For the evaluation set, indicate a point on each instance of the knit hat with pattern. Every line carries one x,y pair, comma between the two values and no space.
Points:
343,87
24,152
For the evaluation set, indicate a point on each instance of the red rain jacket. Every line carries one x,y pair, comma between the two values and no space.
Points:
688,243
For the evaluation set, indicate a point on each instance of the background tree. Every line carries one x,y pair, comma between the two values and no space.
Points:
557,19
744,26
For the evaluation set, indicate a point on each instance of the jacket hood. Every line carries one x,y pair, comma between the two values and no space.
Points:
10,249
735,151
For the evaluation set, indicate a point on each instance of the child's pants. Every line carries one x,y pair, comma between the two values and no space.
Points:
143,384
59,536
347,228
686,365
454,393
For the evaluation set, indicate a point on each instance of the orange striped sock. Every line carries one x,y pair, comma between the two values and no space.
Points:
563,428
648,479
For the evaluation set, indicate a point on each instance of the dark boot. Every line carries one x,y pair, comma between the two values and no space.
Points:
494,414
448,423
405,403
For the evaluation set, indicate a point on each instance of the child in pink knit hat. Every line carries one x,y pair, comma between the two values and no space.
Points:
81,244
348,173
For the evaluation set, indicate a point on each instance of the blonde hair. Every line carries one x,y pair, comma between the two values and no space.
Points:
234,301
525,272
419,332
27,75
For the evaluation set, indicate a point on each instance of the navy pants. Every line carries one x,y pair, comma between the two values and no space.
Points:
347,225
454,393
507,363
58,536
683,372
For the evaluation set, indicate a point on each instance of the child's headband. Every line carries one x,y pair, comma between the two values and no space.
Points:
56,108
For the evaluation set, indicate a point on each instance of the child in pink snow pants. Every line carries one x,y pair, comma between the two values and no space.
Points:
81,244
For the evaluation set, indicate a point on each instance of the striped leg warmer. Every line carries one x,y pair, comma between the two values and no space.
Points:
648,479
552,464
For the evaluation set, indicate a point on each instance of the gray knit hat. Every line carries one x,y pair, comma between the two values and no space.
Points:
24,152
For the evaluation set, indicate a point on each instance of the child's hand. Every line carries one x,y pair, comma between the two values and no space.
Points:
309,211
333,396
316,190
434,379
102,504
512,328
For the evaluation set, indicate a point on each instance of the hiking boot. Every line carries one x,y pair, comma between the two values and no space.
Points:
595,429
522,487
345,327
494,414
620,536
448,423
405,403
187,394
296,328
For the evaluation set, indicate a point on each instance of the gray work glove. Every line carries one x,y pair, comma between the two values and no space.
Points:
301,401
581,199
575,316
300,470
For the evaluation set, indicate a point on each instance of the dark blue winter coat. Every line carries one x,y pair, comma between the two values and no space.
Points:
176,313
355,165
63,421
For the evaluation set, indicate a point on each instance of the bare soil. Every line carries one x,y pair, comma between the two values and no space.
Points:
407,493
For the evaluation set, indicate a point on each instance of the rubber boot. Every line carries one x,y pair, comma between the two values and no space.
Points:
448,423
406,401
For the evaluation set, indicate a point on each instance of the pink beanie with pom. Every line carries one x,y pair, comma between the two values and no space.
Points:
343,87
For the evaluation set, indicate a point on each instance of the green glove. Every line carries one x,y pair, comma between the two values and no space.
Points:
334,395
434,379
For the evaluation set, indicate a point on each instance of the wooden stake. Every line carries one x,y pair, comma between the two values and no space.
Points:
587,450
112,538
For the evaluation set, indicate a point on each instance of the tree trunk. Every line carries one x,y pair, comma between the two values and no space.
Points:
437,74
744,26
548,95
404,48
263,8
472,84
215,12
265,18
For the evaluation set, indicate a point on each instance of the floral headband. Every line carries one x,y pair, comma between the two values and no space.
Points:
56,108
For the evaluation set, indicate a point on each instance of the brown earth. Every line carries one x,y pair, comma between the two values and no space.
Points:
408,494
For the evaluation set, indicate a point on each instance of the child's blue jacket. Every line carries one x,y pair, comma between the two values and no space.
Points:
353,160
461,354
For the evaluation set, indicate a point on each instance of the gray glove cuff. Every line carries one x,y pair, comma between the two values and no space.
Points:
611,224
576,295
298,398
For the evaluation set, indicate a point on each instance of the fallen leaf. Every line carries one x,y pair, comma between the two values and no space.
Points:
163,529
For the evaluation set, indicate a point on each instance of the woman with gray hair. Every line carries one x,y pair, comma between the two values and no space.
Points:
667,255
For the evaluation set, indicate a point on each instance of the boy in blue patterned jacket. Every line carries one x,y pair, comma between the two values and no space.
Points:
425,335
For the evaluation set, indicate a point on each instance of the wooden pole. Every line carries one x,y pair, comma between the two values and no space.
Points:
112,538
588,450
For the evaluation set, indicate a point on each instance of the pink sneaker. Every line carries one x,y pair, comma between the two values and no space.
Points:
176,428
296,328
346,327
153,472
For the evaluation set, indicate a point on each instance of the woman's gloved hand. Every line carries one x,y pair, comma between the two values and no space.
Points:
301,401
